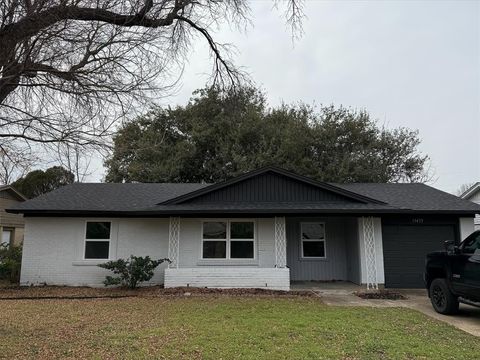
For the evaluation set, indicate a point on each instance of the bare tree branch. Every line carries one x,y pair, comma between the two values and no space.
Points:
70,69
14,164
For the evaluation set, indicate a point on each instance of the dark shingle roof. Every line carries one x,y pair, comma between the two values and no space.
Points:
107,197
137,199
414,196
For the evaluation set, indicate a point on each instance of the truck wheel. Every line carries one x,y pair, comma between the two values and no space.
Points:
443,301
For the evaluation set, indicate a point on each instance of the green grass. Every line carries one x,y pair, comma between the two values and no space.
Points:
223,328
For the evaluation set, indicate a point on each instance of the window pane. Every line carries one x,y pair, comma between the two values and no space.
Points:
313,248
241,249
313,231
214,249
96,249
7,236
214,230
98,230
241,230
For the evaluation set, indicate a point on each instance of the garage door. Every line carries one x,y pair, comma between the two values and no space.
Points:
404,250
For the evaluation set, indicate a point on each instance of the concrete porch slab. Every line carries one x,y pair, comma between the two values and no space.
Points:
326,287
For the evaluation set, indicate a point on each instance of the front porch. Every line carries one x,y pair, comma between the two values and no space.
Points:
283,250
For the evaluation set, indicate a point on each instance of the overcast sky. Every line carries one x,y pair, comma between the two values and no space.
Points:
409,63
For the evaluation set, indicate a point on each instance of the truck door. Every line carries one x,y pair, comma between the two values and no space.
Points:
466,267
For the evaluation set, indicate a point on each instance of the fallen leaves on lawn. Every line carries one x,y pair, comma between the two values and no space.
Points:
69,292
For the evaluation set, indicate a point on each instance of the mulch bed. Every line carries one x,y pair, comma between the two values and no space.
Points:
66,292
380,294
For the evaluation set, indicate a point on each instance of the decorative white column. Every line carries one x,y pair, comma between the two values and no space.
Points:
370,252
174,242
280,243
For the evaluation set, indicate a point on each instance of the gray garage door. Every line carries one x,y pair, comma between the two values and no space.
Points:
404,250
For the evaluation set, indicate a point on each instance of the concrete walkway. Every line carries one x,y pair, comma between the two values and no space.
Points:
341,294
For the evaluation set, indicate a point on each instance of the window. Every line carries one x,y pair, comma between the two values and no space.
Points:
313,240
97,240
472,244
228,240
242,239
214,240
7,236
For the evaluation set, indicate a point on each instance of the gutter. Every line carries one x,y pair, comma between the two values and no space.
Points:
262,212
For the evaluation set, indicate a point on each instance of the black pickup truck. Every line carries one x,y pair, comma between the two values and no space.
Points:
453,276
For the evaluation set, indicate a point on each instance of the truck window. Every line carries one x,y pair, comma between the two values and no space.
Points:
472,244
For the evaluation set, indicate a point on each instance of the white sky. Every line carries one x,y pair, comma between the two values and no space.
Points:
409,63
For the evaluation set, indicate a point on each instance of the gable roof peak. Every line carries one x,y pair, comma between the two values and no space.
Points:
278,171
17,193
471,191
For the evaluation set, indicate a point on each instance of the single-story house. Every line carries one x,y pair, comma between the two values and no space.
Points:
473,194
263,229
11,225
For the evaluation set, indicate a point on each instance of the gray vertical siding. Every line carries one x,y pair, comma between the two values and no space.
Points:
353,251
271,187
340,264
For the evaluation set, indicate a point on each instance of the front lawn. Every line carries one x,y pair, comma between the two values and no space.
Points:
220,327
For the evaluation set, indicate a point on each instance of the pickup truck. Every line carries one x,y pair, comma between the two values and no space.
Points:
453,276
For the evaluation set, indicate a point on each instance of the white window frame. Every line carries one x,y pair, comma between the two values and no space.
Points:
11,239
324,240
229,240
97,240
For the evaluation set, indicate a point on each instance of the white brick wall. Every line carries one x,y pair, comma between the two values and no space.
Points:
229,277
53,249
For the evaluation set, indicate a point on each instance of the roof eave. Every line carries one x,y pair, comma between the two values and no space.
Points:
469,192
15,191
166,213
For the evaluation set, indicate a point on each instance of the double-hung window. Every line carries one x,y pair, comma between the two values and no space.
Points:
229,239
214,240
242,239
313,240
97,240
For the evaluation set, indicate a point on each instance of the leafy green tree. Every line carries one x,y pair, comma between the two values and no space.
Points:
39,182
219,135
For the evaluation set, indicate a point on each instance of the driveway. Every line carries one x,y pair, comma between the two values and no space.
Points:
467,320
